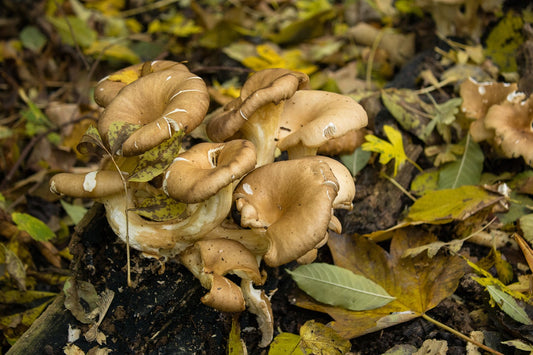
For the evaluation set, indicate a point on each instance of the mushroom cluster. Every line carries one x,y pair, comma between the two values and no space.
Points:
284,208
502,116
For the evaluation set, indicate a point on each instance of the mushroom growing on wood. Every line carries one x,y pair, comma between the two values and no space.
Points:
255,114
512,124
311,117
161,103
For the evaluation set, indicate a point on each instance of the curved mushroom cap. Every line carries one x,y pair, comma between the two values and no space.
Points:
210,260
95,184
203,170
477,99
108,87
512,122
162,103
312,117
291,203
263,87
345,144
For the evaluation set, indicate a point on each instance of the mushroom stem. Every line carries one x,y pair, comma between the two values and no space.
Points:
262,130
300,151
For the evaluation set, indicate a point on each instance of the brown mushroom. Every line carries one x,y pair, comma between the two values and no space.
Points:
108,87
345,144
210,260
512,124
161,103
477,99
290,204
255,114
311,117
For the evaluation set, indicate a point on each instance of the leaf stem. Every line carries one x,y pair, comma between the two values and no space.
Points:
459,334
397,184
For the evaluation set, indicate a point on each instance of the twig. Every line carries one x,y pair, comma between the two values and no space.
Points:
397,184
370,62
459,334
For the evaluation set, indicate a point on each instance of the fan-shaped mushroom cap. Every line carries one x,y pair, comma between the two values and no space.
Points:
210,260
162,103
477,99
108,87
291,203
255,114
203,170
512,123
95,184
311,117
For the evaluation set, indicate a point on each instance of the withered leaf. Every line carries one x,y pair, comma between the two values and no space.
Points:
419,283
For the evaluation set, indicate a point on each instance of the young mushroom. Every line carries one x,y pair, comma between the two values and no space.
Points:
255,114
161,103
311,117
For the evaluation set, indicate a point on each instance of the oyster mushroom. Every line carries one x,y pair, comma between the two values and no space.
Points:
311,117
161,103
202,213
255,114
477,99
512,124
108,87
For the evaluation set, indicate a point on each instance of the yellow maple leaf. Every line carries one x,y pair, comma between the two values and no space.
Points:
387,150
268,57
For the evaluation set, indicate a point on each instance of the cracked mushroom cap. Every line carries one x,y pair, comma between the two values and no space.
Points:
203,170
108,87
478,97
312,117
261,88
210,260
95,184
291,203
161,103
512,122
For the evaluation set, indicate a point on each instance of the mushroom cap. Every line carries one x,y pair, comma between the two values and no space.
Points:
345,144
292,200
263,87
203,170
162,103
477,99
512,122
312,117
95,184
108,87
210,260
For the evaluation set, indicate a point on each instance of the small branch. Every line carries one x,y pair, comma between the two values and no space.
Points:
459,334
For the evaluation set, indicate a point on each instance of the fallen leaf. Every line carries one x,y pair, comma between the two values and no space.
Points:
236,345
387,150
418,283
10,263
465,171
36,228
339,287
321,339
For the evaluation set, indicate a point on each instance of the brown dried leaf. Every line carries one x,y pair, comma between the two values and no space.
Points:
418,283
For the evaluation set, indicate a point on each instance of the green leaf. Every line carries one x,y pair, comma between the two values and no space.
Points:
444,206
73,30
393,150
75,212
36,228
356,161
90,141
466,171
337,286
32,38
156,160
508,304
424,182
